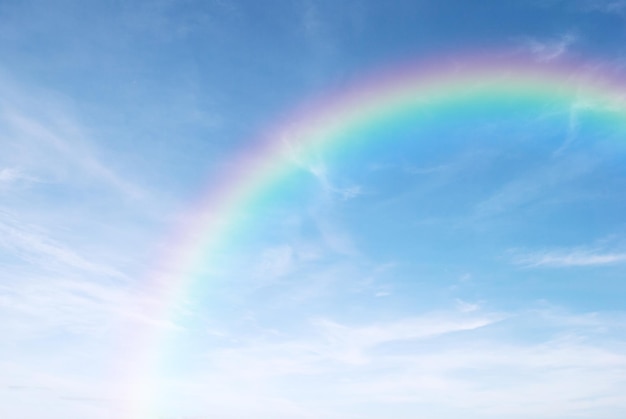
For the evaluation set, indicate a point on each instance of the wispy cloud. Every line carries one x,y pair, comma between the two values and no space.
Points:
317,30
321,172
335,237
276,262
64,139
605,6
43,138
311,20
351,344
335,345
563,258
32,245
10,176
428,170
48,304
548,49
536,184
318,168
572,126
37,389
413,364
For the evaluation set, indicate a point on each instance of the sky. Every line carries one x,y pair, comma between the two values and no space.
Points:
444,259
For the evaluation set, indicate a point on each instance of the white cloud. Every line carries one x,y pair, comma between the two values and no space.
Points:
605,6
43,139
549,49
350,192
49,304
334,236
12,175
536,184
30,244
466,307
317,167
428,170
410,366
351,344
68,255
562,258
34,391
276,262
321,173
495,379
319,35
313,24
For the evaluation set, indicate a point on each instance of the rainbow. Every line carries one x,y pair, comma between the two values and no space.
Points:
443,86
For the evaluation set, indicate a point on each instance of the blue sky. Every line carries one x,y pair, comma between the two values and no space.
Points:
470,267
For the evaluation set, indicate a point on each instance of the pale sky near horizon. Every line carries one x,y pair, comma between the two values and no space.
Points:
473,267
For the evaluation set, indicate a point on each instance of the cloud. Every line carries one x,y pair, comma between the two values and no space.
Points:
333,342
70,247
536,184
559,364
617,7
276,262
333,236
563,258
317,30
48,304
466,307
321,172
37,390
11,175
47,286
44,139
318,168
428,170
312,22
31,245
497,379
573,125
63,138
351,344
549,49
276,372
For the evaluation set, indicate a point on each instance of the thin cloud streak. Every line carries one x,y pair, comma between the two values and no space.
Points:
410,363
30,245
549,49
45,140
67,142
564,258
